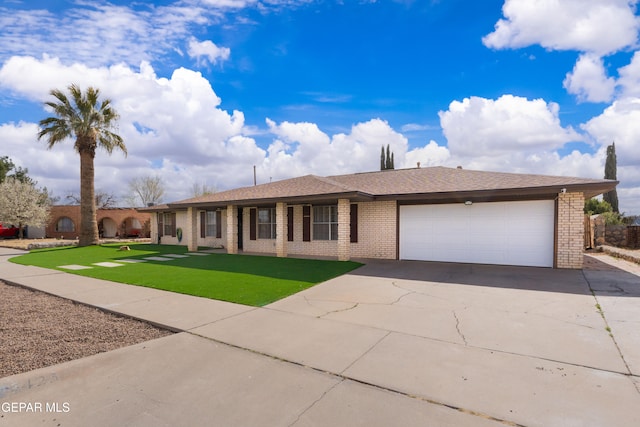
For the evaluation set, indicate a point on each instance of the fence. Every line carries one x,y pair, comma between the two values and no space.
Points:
596,233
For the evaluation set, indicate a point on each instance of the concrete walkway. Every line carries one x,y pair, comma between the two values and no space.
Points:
392,343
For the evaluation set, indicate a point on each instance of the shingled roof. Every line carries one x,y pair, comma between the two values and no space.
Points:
433,183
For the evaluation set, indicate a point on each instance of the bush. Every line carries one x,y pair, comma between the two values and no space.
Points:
612,218
594,206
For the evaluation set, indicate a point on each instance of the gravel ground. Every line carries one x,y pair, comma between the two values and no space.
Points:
38,330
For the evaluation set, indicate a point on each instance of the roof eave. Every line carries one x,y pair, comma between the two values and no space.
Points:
354,196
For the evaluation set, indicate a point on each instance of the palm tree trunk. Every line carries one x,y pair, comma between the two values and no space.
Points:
88,223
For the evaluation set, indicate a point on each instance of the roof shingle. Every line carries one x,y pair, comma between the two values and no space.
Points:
433,181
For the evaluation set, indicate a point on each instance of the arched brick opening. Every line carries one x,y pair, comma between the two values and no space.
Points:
107,228
110,219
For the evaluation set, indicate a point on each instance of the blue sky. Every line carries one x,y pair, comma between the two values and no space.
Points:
208,88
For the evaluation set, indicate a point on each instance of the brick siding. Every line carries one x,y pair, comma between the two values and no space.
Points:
570,236
377,230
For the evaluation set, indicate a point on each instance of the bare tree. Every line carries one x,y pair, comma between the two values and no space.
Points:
21,204
145,191
202,189
104,200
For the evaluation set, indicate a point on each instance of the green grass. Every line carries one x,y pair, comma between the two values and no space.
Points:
243,279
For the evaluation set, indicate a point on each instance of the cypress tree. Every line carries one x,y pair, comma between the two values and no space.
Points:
386,160
611,172
387,163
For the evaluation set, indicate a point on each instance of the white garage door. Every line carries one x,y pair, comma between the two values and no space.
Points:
508,233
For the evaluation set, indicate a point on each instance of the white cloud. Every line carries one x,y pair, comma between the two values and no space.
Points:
303,148
175,122
478,126
415,127
588,80
599,26
233,4
629,79
431,154
619,123
174,127
207,51
97,34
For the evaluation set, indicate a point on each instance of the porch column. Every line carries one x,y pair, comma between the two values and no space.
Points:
153,226
344,240
281,229
191,229
232,229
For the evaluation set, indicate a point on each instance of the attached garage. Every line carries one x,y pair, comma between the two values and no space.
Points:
507,233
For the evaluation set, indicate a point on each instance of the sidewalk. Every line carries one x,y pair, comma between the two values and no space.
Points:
395,343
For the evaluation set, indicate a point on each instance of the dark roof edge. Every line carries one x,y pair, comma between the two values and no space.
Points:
589,190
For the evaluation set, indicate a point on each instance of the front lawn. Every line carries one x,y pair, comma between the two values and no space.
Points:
243,279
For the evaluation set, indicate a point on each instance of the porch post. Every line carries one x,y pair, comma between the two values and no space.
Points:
344,241
191,230
281,229
232,229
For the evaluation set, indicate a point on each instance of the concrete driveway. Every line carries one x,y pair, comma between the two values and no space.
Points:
392,343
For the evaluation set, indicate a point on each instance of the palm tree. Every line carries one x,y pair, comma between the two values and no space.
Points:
90,122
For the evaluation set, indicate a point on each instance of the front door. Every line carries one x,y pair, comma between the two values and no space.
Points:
240,229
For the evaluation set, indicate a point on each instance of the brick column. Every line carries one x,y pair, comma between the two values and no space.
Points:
191,229
281,229
232,229
344,219
570,230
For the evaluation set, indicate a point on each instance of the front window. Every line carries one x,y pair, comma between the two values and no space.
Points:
211,224
168,224
65,224
325,223
267,223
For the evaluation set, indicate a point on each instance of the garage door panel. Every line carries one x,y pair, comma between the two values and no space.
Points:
512,233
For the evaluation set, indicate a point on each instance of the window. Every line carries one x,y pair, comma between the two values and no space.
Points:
267,223
167,220
211,223
325,223
65,224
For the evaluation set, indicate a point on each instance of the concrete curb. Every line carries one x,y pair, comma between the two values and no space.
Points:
625,254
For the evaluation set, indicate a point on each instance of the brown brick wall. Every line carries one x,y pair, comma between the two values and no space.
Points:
112,222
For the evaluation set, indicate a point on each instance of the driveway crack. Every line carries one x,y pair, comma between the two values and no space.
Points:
409,292
327,391
608,328
338,311
464,339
